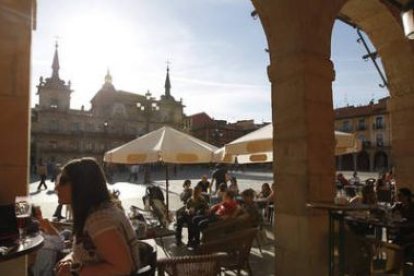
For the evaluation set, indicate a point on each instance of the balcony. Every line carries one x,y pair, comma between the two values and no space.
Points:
378,126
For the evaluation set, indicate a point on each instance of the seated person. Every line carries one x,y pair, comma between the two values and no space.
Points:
218,197
196,205
187,192
221,211
204,184
368,196
54,243
342,181
265,196
265,192
250,207
383,191
233,185
405,209
355,180
154,200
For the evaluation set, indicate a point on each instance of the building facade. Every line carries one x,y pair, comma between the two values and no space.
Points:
60,133
217,132
372,126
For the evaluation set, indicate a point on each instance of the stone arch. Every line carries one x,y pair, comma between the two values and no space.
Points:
382,23
381,161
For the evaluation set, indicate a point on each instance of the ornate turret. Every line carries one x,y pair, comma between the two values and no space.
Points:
108,86
168,84
55,64
54,92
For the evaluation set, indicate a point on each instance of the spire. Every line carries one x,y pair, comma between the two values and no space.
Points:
55,64
168,83
108,77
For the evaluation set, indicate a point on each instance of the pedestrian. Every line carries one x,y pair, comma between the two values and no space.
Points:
133,173
204,184
219,176
42,172
196,205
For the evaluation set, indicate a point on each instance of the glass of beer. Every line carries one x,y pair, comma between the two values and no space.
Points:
23,210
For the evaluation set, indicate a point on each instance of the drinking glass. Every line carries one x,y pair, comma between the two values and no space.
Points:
23,210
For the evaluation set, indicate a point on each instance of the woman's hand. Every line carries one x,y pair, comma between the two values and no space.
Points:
63,268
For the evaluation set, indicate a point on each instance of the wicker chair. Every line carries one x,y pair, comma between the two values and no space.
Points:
222,228
200,265
237,247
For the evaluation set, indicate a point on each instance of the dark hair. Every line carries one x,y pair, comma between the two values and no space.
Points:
197,188
248,193
222,187
187,182
233,179
406,192
230,194
89,189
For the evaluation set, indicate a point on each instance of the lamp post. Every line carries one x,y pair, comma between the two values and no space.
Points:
148,107
107,169
407,16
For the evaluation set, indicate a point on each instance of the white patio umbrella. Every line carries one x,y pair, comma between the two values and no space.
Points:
257,146
162,145
221,156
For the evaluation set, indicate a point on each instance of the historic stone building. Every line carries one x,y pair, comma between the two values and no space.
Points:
217,132
59,133
372,125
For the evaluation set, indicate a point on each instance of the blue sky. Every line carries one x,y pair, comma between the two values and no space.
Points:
216,50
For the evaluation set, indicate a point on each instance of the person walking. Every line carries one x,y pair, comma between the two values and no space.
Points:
42,172
218,177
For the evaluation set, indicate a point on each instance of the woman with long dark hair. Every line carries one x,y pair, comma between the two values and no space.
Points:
104,240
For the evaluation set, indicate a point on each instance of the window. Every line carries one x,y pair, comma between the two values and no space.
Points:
346,126
54,125
76,127
379,123
361,124
380,140
54,103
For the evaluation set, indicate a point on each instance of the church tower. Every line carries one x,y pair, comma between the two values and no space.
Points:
53,92
168,84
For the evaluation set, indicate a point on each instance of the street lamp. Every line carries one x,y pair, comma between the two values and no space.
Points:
407,16
149,107
105,126
107,170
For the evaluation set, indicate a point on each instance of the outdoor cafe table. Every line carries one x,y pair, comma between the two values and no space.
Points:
31,244
337,213
379,223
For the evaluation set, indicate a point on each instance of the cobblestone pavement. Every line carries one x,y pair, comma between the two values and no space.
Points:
131,194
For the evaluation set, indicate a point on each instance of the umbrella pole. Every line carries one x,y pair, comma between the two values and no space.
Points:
167,187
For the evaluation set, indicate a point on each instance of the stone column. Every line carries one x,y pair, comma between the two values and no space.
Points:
15,36
402,119
301,73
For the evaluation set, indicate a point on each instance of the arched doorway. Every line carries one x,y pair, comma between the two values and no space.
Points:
363,161
347,162
381,161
